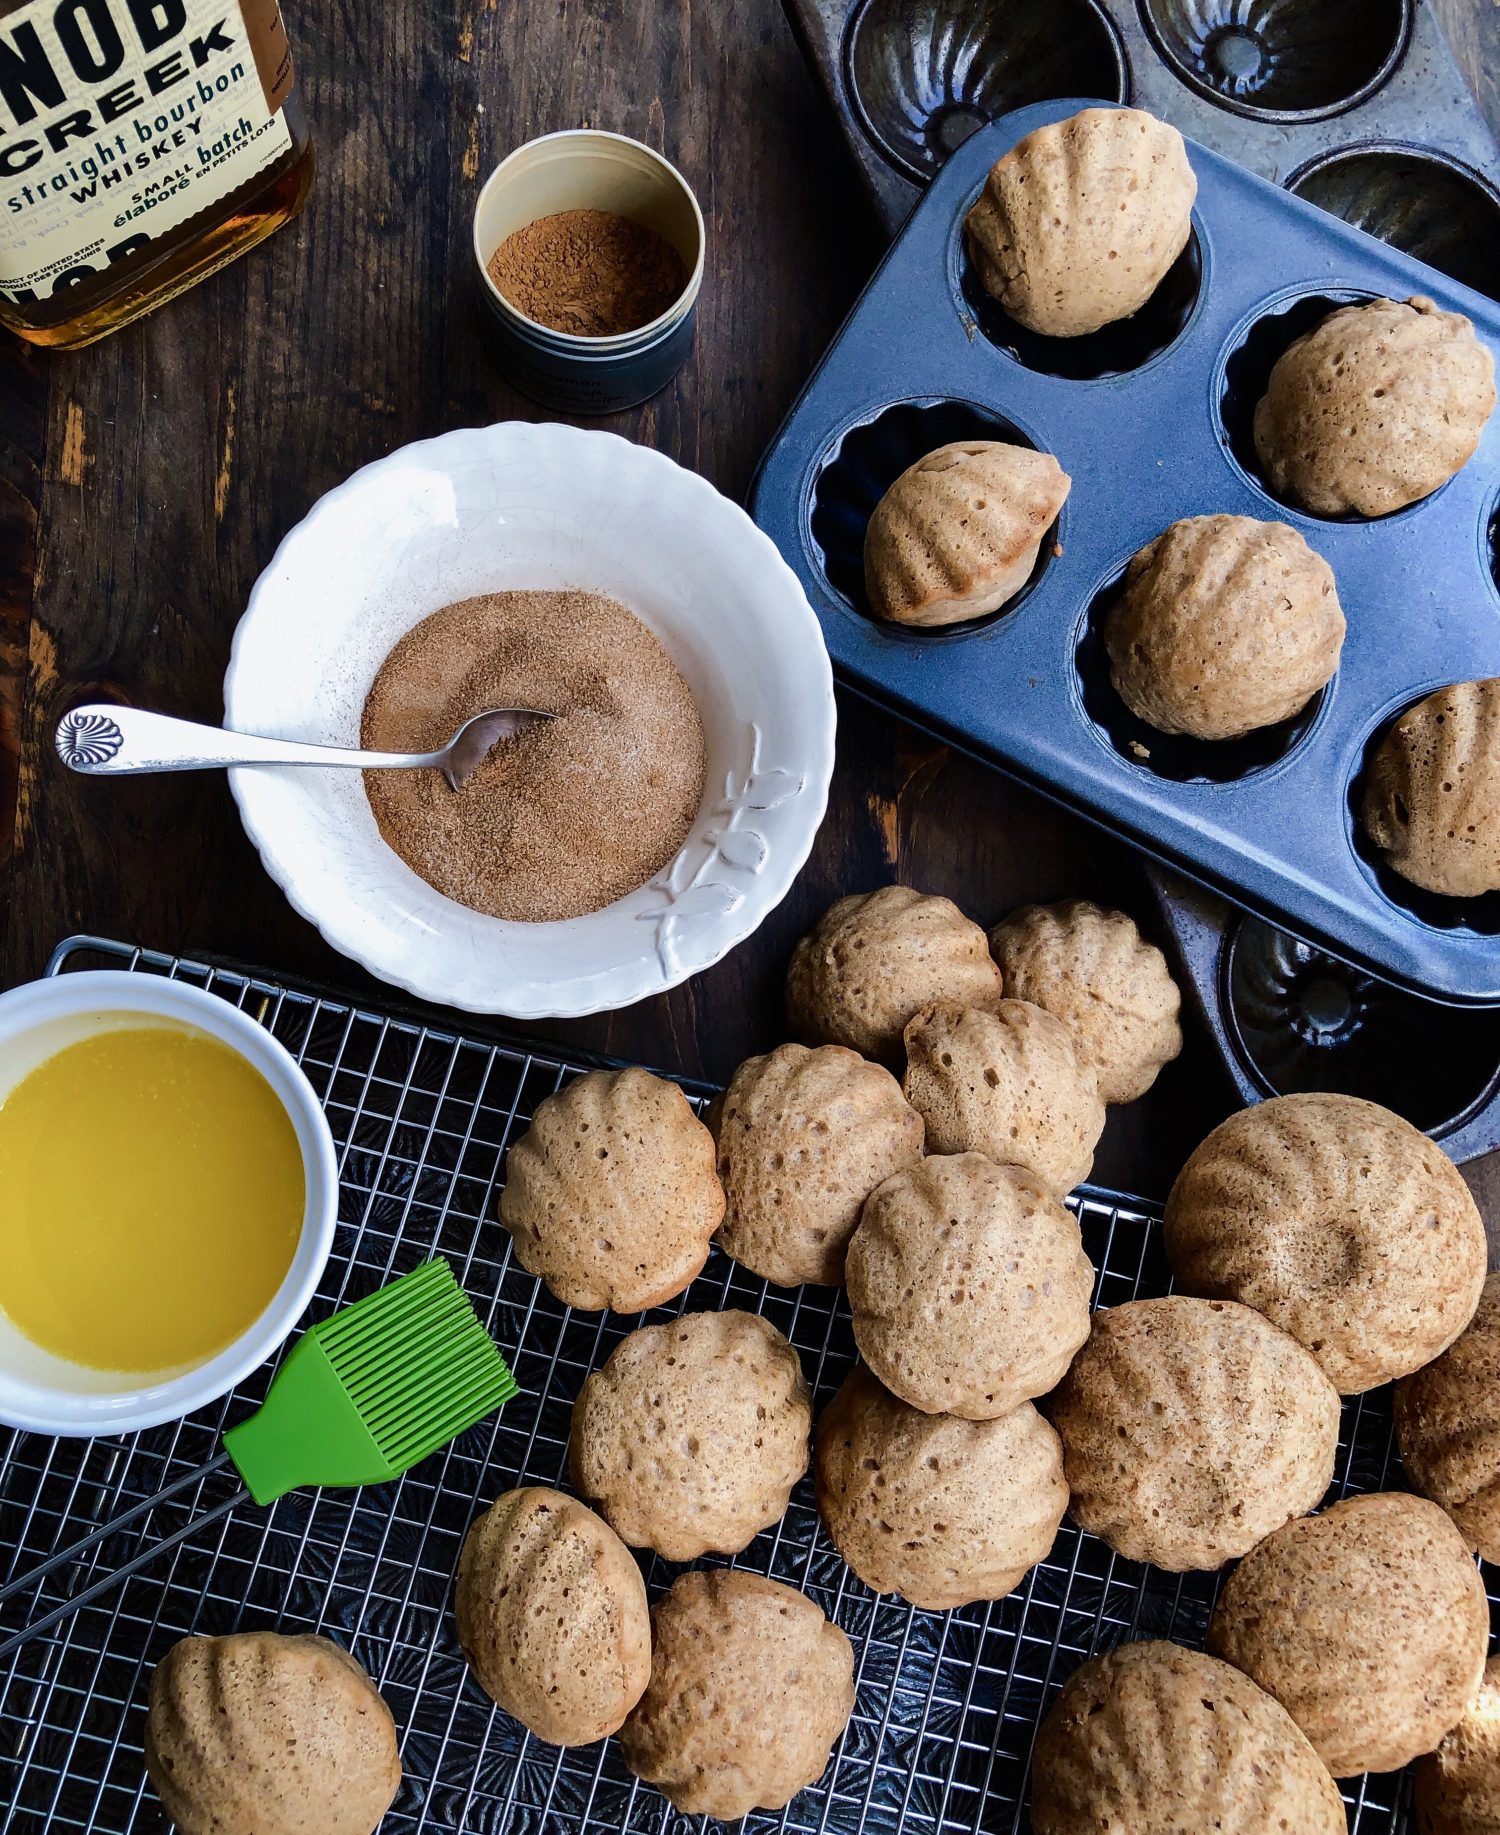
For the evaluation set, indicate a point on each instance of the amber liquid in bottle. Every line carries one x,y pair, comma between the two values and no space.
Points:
99,294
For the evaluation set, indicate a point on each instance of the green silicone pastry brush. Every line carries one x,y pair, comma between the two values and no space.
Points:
366,1394
361,1398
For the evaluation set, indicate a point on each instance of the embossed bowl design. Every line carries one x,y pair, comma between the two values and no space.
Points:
923,75
516,506
1419,202
1299,1020
1289,60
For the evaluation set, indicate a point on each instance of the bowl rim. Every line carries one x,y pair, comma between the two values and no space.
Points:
38,1408
644,976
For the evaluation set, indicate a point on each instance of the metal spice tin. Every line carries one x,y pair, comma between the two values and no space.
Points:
587,169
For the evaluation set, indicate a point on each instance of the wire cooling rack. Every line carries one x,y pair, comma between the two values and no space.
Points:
947,1703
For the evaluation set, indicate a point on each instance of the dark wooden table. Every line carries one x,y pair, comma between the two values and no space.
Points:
145,482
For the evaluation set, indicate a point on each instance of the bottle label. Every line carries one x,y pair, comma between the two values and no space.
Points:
121,119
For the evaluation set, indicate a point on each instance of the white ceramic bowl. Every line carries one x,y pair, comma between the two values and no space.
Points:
50,1395
514,506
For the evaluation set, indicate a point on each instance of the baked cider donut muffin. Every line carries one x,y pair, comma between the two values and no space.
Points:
1191,1429
1374,408
1432,793
1448,1427
957,534
1368,1624
1152,1739
690,1437
968,1285
1092,969
1011,1084
552,1616
751,1689
268,1733
1079,222
940,1510
1458,1786
804,1138
874,959
1225,625
612,1195
1342,1223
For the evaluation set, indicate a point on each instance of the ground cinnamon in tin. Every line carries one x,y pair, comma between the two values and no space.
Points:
568,816
593,273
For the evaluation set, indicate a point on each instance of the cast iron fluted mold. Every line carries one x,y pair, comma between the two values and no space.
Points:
909,97
925,74
947,1703
1281,59
1303,1021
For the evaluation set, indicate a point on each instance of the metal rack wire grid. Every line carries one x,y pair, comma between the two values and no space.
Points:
947,1703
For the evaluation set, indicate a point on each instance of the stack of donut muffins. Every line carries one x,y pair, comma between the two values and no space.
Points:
945,1092
915,1145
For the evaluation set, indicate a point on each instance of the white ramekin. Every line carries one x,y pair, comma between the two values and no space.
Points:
47,1394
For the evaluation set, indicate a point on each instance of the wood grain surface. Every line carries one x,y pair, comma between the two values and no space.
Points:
145,482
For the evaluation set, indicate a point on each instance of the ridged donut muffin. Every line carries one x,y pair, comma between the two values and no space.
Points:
612,1195
968,1285
1368,1624
1448,1427
1458,1786
939,1510
1079,222
751,1688
1010,1084
1152,1739
690,1437
552,1616
1225,625
1342,1223
957,534
1191,1429
1374,408
1432,794
268,1733
804,1138
874,959
1092,969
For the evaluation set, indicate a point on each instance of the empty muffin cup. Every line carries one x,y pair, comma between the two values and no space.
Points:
578,372
1300,1020
1418,201
1280,60
923,75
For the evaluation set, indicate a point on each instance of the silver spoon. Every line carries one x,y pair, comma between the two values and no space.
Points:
107,741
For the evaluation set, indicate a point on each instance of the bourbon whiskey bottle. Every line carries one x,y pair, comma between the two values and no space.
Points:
143,144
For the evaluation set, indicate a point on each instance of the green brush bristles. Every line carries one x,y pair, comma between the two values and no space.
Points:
448,1376
369,1392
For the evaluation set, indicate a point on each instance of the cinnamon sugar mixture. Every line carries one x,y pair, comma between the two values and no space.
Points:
593,273
569,815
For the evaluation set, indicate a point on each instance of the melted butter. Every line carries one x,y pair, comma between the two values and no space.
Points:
151,1198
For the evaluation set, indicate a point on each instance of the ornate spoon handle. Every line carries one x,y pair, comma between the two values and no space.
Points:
106,741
